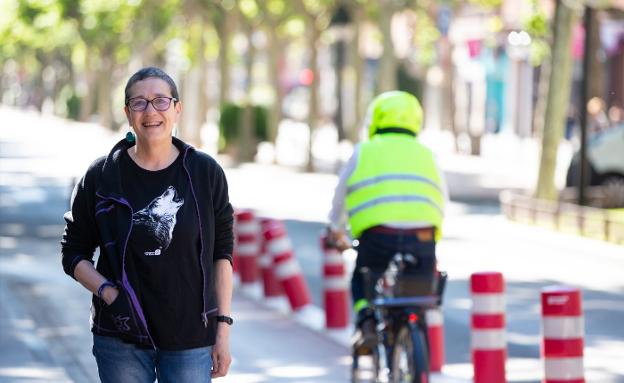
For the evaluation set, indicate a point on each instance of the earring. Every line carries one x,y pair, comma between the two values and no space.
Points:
130,137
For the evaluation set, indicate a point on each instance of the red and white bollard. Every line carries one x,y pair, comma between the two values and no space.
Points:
563,332
270,284
435,332
335,287
247,246
286,266
488,344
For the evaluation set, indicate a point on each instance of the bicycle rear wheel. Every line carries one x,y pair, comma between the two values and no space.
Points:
410,358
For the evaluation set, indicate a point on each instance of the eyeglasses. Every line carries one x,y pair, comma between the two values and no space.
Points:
139,104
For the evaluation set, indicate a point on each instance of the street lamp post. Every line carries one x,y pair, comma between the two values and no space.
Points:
339,25
518,43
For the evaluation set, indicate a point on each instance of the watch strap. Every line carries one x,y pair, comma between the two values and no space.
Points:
225,319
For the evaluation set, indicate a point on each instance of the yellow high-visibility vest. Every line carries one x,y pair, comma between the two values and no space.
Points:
395,180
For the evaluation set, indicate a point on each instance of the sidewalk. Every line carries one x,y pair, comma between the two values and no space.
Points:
24,355
270,347
310,350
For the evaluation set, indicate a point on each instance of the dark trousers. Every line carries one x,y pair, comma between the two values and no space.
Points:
377,246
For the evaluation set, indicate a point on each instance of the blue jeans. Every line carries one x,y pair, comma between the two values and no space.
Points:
120,362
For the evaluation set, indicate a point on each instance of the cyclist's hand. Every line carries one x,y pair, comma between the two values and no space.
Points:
338,239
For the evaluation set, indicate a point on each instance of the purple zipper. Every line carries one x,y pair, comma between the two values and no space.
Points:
104,210
134,301
204,313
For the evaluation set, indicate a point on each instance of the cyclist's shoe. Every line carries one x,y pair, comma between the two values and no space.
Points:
365,337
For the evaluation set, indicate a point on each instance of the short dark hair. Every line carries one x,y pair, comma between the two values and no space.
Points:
150,72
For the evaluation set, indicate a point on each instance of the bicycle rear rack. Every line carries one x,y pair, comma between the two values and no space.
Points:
423,301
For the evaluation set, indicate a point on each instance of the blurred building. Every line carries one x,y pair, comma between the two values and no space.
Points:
495,79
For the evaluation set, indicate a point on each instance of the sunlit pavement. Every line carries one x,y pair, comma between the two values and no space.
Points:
44,313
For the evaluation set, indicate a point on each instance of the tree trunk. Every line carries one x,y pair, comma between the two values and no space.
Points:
3,79
447,108
87,99
386,79
274,67
358,69
558,99
313,36
183,85
39,98
202,91
542,98
247,137
224,30
105,111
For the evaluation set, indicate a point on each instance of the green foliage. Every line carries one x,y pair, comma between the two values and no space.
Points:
73,105
538,27
276,7
537,24
294,27
249,8
231,120
487,3
539,51
261,125
426,38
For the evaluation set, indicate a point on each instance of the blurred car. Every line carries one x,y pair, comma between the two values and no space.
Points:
605,154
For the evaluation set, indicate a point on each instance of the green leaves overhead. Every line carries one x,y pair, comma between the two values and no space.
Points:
276,7
248,8
538,27
487,3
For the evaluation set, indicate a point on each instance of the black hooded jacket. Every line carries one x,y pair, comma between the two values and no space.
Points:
101,217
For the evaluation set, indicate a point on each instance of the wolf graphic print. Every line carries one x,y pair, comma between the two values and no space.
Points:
157,220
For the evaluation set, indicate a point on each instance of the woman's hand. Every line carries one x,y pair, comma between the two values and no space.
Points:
109,294
221,358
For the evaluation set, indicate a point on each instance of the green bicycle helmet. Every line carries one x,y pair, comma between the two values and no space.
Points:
394,109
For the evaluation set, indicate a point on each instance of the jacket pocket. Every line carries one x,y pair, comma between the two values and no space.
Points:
122,316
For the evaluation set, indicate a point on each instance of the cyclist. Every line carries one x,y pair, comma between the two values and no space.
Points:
394,194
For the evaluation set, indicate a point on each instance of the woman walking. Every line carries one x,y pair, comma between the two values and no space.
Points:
159,212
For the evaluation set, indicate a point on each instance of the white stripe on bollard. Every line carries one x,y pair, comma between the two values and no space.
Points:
335,283
434,317
287,269
563,368
333,259
488,303
279,245
265,261
563,327
247,249
248,228
488,339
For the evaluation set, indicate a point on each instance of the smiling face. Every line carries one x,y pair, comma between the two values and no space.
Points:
152,126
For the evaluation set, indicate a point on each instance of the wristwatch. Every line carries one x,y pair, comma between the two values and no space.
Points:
225,319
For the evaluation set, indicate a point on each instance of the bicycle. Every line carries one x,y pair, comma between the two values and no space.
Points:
403,294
